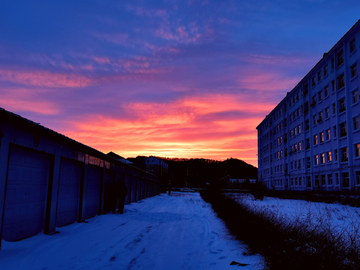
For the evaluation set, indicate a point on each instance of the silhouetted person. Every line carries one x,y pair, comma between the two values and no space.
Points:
119,194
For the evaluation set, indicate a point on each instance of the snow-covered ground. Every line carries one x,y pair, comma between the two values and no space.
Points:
164,232
342,218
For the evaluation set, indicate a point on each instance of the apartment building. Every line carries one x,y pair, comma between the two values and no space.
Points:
311,139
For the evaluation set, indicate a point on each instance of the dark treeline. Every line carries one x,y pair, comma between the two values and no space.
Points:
199,171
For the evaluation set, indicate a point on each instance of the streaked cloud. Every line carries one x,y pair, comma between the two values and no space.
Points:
168,78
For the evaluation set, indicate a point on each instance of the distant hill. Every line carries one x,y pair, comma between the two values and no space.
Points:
199,171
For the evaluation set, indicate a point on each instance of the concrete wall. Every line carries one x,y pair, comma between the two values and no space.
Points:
48,180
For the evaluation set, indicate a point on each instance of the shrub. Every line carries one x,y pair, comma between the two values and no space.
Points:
284,244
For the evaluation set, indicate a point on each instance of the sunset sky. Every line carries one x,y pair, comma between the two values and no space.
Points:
171,78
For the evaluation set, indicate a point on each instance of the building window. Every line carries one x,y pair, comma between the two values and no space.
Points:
340,57
307,143
357,176
336,154
327,134
353,71
332,63
334,108
344,154
355,96
313,82
330,182
341,81
320,96
356,123
325,70
307,124
313,101
323,180
328,156
320,117
319,75
335,132
316,159
314,119
343,130
326,91
345,178
342,105
321,137
308,163
315,139
357,150
322,158
352,45
308,181
327,112
337,178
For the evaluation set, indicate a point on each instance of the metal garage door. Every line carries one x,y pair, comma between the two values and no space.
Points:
69,190
133,189
93,191
27,180
109,180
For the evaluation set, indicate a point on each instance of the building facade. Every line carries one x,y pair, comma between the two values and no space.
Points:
311,139
48,180
156,166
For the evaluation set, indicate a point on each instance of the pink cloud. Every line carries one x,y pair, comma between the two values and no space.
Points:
44,78
121,39
172,129
28,105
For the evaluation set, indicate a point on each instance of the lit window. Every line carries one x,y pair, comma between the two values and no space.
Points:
315,139
321,137
328,156
322,158
316,159
357,150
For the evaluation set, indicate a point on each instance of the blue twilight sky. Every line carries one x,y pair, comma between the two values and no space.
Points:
167,78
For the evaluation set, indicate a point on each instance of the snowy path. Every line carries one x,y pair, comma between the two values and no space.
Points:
164,232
